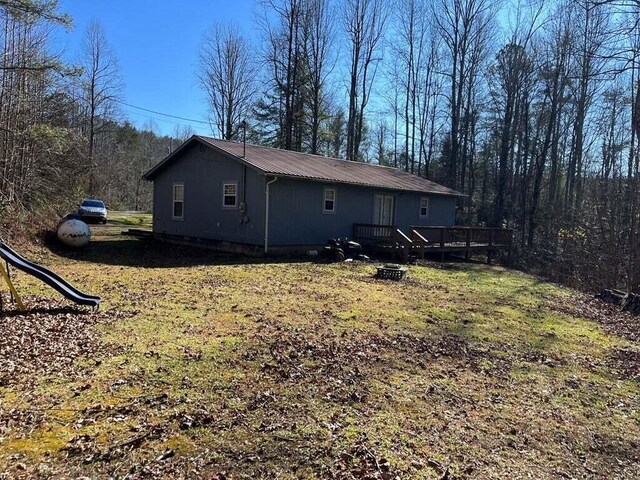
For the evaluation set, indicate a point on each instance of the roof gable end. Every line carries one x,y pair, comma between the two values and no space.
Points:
173,156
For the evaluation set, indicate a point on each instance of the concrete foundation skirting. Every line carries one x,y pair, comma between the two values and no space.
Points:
241,248
293,250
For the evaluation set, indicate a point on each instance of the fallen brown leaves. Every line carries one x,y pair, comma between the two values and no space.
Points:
273,412
613,320
348,370
49,337
627,363
340,361
624,362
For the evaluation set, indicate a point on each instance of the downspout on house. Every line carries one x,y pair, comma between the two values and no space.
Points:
266,215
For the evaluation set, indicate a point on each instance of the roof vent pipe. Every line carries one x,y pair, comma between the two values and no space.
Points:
244,139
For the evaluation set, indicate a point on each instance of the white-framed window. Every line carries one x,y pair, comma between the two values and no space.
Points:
329,200
230,195
178,201
424,207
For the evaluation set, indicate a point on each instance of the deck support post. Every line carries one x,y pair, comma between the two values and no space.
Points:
467,253
489,251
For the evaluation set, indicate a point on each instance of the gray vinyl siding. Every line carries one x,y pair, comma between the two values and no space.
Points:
296,214
442,210
203,173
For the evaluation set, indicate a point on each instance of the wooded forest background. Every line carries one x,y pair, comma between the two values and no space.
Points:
530,108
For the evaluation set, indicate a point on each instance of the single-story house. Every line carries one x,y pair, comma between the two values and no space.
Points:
255,198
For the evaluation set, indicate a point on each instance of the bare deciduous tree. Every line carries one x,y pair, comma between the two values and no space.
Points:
101,85
319,36
464,26
226,74
283,29
365,22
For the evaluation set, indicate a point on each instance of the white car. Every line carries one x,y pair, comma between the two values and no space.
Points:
91,209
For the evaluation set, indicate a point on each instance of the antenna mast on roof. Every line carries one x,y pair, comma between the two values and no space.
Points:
244,139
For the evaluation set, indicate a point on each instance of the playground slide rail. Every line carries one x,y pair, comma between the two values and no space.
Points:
47,276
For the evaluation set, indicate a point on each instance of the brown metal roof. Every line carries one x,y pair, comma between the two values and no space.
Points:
273,161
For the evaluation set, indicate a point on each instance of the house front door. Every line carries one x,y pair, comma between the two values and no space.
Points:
383,210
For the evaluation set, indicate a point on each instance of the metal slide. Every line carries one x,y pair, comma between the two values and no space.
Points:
48,277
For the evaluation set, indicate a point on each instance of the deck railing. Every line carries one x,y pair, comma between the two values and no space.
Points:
381,235
443,236
423,239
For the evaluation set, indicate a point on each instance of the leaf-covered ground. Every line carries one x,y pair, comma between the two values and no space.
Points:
200,365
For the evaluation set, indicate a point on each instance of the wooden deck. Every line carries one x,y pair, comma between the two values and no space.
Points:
421,240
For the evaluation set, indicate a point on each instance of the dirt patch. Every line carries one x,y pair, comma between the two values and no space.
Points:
49,337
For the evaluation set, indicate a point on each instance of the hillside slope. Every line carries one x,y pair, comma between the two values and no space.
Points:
201,365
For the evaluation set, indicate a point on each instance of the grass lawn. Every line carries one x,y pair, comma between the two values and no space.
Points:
207,366
130,219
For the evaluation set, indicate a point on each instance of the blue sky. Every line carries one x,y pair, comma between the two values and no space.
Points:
157,43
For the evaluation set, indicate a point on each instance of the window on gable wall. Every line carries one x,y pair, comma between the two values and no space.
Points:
229,195
178,201
329,203
424,207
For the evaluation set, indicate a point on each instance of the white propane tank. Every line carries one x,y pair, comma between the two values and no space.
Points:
74,233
